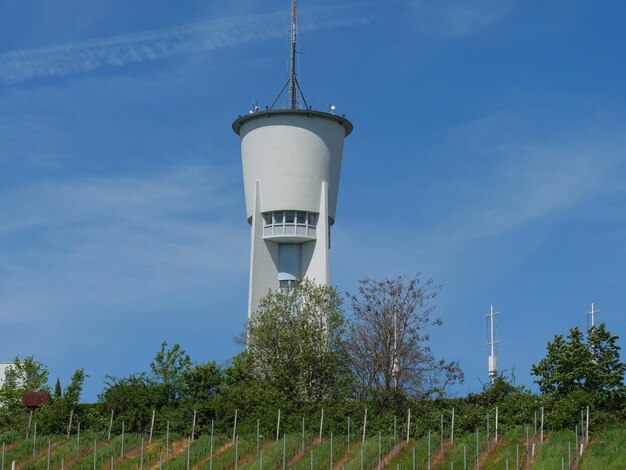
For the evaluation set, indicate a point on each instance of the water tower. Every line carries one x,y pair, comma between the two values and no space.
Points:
291,164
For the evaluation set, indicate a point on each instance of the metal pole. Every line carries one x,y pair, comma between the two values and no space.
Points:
429,450
261,460
477,452
69,426
122,445
361,458
321,424
284,450
141,457
517,456
49,449
311,460
95,454
110,426
408,426
78,440
234,424
302,444
167,439
379,448
277,426
193,425
348,433
542,424
413,467
364,424
257,436
211,449
189,451
569,454
587,429
452,428
30,420
441,436
331,451
464,457
35,439
151,426
236,452
2,467
395,431
496,425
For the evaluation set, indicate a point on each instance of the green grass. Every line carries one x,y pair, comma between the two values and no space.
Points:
511,449
607,451
369,453
246,450
273,452
551,451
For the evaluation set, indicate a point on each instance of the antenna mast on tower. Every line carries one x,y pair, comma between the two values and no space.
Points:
292,61
592,316
491,343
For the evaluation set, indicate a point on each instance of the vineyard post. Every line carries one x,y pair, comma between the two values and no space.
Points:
236,452
69,426
13,465
95,454
122,444
30,420
111,462
535,425
211,446
62,463
167,439
587,428
576,438
441,433
193,425
110,426
284,450
277,427
189,451
517,456
541,440
331,452
364,424
488,434
321,424
234,424
429,449
496,435
151,426
348,438
311,459
261,460
477,451
49,449
258,424
395,430
160,462
361,458
141,457
582,425
78,440
408,426
452,428
413,467
34,438
2,456
302,445
379,448
569,454
464,457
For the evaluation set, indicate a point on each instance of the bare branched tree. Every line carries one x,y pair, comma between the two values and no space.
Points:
389,340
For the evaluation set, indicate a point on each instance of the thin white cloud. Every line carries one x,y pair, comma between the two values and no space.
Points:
75,245
450,18
115,51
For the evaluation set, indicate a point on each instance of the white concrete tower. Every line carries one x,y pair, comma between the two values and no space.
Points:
291,165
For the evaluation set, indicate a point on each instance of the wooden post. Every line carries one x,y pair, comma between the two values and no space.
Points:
110,426
321,424
364,424
151,426
69,426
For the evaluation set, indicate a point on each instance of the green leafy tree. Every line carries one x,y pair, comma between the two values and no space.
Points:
297,343
28,375
587,365
169,368
54,418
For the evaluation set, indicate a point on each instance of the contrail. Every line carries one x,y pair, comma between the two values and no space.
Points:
115,51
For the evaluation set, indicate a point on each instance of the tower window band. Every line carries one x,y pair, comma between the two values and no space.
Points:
287,223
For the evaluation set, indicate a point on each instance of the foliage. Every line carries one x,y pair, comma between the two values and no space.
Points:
389,340
583,370
296,340
168,371
57,389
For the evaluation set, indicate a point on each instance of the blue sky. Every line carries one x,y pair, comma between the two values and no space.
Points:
489,153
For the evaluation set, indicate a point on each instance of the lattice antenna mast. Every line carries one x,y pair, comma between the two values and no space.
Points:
292,61
492,342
